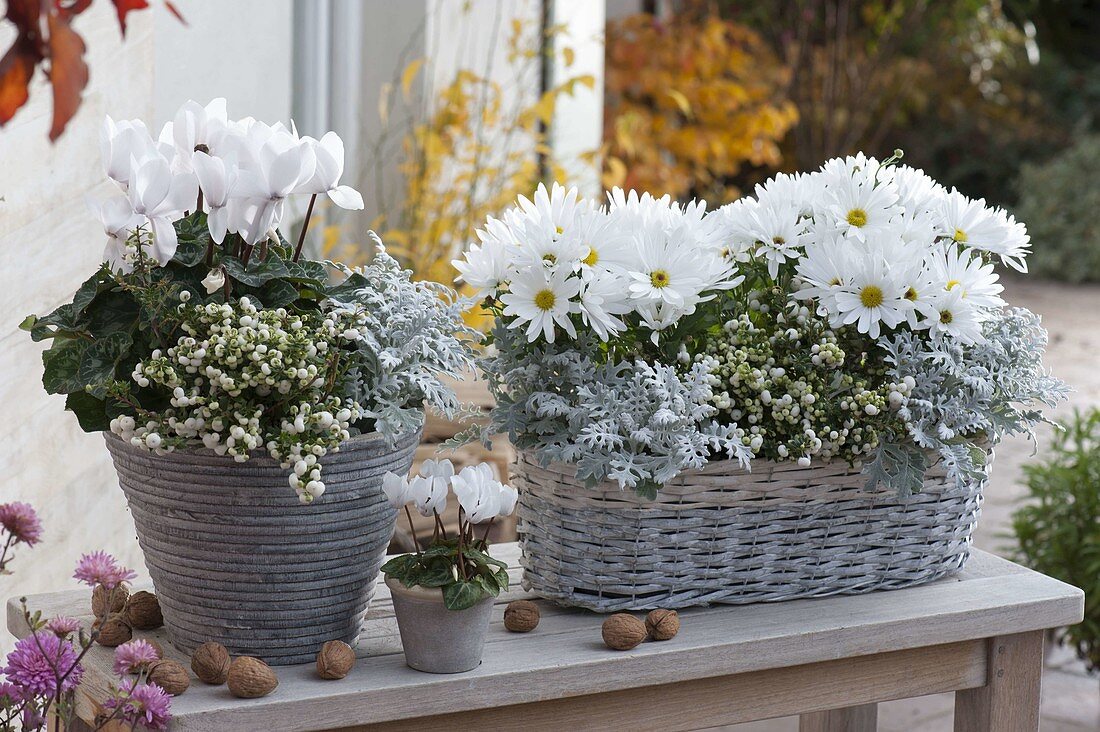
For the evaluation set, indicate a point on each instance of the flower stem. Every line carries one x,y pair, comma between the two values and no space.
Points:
412,529
305,227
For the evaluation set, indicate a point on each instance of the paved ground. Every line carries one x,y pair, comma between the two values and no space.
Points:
1071,697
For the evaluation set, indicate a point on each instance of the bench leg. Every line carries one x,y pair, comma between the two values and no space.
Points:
1009,702
849,719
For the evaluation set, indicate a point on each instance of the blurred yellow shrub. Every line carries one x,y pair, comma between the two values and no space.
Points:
688,103
469,148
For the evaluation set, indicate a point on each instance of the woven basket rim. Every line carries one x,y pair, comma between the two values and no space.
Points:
260,456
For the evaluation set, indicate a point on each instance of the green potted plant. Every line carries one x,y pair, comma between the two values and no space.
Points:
744,401
443,593
235,379
1058,525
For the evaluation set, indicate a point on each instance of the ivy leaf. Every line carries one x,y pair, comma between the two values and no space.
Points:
99,360
255,274
68,72
90,412
278,294
437,573
61,364
462,595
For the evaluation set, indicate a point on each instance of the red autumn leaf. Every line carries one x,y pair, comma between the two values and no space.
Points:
26,14
68,72
16,70
123,7
175,11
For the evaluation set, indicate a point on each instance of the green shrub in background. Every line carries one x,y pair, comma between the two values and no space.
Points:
1058,528
1059,201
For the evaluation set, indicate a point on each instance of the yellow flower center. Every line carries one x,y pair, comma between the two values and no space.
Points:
960,236
857,217
779,241
545,299
951,285
834,282
658,278
870,296
946,317
911,294
551,258
592,258
559,230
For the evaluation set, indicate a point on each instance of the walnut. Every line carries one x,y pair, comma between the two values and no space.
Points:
114,631
210,662
143,611
662,624
170,676
623,632
251,678
334,660
105,602
521,616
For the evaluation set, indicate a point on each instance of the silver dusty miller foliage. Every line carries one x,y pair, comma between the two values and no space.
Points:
966,398
633,422
411,335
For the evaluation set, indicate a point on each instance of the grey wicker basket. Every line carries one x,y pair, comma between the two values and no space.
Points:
235,558
722,535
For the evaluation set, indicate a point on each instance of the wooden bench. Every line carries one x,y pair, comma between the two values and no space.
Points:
979,634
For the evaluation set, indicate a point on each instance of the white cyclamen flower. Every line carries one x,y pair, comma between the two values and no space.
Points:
481,495
396,487
329,151
161,198
120,144
119,223
429,489
542,298
214,280
274,164
194,125
216,177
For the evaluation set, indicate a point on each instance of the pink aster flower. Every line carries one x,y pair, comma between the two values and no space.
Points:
38,660
133,656
100,568
62,626
141,704
10,695
20,520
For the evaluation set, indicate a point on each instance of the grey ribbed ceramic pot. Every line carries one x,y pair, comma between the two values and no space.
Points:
435,639
235,558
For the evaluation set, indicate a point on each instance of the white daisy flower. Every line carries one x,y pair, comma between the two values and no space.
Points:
955,268
873,299
861,208
542,298
554,212
604,297
970,222
825,270
955,316
777,233
486,267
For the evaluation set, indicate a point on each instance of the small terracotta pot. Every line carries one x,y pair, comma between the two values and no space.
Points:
435,639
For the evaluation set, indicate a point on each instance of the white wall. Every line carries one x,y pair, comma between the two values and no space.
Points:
49,244
240,50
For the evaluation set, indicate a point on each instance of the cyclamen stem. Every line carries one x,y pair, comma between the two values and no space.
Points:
412,529
461,556
488,527
305,227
